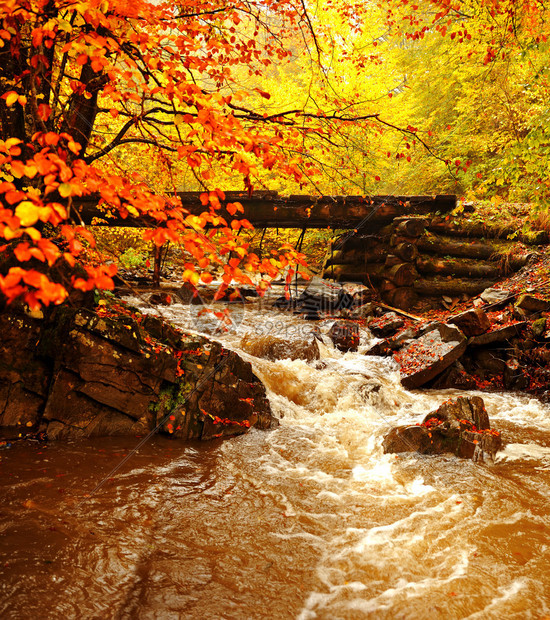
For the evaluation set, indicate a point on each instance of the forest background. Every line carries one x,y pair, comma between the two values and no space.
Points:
135,101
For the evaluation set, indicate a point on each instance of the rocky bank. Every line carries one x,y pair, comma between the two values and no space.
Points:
111,371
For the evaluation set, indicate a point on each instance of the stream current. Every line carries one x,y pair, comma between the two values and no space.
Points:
309,520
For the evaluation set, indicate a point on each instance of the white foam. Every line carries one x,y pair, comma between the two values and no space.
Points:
505,594
523,451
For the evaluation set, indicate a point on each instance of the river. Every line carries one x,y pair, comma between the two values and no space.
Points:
307,521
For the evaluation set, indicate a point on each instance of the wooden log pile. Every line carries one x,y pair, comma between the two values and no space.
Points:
423,256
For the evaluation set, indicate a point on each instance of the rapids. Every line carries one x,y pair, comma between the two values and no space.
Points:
309,520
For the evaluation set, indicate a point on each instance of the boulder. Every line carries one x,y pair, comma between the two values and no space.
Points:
344,335
273,348
459,427
473,322
430,354
83,373
386,325
496,296
160,299
455,377
319,298
531,304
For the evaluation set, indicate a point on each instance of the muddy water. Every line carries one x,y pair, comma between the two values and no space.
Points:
307,521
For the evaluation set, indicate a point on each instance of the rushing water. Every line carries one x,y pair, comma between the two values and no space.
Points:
310,520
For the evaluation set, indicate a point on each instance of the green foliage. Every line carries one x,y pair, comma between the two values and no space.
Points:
132,258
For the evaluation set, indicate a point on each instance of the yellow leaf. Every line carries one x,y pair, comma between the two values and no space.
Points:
10,234
65,190
11,98
27,212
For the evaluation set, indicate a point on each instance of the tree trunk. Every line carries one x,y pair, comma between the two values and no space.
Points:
157,259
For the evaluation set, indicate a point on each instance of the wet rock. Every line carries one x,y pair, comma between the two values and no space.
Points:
473,322
81,374
430,354
344,335
531,304
455,377
273,348
188,294
459,427
319,298
470,408
24,378
160,299
362,312
387,346
386,325
382,348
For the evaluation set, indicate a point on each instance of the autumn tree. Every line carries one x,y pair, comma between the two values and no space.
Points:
97,94
88,85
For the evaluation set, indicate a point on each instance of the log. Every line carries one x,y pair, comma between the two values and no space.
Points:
460,267
406,251
386,286
468,228
403,297
353,273
403,274
413,227
353,241
376,254
443,247
392,260
436,287
268,209
410,316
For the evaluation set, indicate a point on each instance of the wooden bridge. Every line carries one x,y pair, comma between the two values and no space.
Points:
404,246
270,210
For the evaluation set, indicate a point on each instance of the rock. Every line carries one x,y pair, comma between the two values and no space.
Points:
471,408
493,296
538,328
362,312
344,335
273,348
382,348
532,304
189,295
488,362
429,354
319,298
386,325
459,427
160,299
472,322
455,377
83,374
498,334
